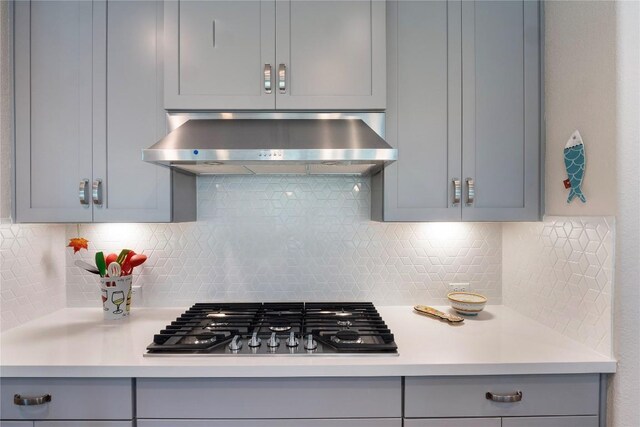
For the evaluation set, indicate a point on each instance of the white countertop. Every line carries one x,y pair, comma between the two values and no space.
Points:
75,342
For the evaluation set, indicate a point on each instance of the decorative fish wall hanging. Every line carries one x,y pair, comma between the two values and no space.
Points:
574,162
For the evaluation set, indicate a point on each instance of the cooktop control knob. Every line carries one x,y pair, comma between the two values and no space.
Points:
273,341
236,344
310,343
292,341
255,340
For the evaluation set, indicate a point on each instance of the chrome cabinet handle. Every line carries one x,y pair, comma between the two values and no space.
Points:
31,400
471,191
282,78
267,78
83,192
96,192
457,191
504,398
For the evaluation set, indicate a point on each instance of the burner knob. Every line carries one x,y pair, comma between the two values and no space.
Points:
292,341
310,344
236,343
273,341
255,341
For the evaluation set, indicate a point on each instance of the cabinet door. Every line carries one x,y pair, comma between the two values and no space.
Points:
334,53
129,114
501,109
452,422
216,52
551,422
53,107
423,118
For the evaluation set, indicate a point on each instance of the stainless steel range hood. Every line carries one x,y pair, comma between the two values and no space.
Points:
274,143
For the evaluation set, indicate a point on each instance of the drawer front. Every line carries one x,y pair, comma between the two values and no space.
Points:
239,398
84,424
387,422
16,423
453,422
551,422
71,398
433,397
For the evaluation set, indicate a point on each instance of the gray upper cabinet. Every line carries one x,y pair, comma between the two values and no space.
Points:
218,54
331,55
53,110
464,112
265,55
501,109
88,100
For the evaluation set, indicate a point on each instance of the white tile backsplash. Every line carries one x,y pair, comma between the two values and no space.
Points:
560,272
263,238
32,272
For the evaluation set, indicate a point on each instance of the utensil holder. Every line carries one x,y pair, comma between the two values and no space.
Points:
116,296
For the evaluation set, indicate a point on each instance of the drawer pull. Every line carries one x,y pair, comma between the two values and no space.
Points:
506,398
31,401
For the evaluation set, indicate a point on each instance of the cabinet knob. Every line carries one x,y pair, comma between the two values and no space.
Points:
504,398
471,191
267,78
282,78
83,192
96,192
31,400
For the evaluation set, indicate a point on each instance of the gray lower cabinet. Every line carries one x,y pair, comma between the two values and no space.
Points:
108,402
385,422
268,54
269,398
453,422
514,401
586,421
464,112
88,99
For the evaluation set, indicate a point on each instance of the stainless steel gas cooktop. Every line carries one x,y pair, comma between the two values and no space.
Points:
268,329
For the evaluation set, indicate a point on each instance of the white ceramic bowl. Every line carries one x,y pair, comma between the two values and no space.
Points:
467,303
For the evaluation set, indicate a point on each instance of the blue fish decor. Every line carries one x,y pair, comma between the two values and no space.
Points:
574,162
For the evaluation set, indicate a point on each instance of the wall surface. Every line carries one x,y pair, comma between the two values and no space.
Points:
294,238
559,272
624,393
580,93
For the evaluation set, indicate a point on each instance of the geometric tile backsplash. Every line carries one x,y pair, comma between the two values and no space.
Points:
263,238
31,272
560,272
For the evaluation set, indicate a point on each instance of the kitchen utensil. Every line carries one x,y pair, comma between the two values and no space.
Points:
114,269
86,266
430,311
101,264
111,258
127,268
122,256
138,259
467,303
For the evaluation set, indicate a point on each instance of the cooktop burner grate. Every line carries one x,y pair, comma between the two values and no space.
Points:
252,329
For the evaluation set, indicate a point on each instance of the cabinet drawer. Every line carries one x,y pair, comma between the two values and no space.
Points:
71,398
84,424
551,422
453,422
387,422
240,398
466,396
